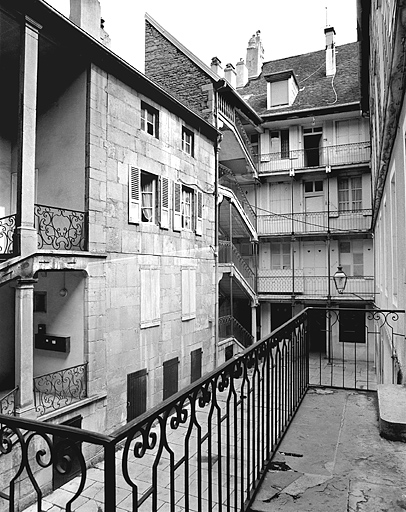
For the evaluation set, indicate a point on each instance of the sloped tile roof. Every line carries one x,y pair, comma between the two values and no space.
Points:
315,89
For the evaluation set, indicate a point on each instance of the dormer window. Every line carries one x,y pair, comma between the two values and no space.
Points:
282,89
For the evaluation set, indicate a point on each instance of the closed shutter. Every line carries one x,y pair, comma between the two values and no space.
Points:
164,203
150,297
196,364
170,377
136,393
177,215
199,212
134,203
188,293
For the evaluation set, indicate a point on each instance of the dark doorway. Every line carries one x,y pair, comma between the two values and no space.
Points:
195,364
229,352
64,451
312,150
170,377
280,313
136,393
352,326
316,326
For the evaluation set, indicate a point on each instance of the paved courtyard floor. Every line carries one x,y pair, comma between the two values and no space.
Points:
333,459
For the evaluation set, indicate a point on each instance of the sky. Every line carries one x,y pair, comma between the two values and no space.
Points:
214,28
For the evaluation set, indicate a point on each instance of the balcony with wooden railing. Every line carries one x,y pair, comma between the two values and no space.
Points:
302,223
334,156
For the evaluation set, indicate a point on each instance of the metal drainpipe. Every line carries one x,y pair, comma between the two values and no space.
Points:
216,233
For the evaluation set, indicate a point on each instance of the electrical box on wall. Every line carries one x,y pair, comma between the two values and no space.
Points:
45,341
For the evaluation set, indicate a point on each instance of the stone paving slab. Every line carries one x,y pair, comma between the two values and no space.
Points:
336,461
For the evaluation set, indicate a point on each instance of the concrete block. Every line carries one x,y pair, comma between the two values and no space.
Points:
392,411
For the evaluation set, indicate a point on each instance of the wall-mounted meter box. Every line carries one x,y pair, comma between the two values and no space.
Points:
52,342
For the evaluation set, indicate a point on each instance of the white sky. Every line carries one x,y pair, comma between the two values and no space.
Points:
222,29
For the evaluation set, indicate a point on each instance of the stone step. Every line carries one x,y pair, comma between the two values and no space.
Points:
392,411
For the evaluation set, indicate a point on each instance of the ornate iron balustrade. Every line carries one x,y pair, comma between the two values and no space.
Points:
208,444
230,327
346,347
314,222
228,179
7,228
228,253
343,154
8,402
60,228
59,389
283,282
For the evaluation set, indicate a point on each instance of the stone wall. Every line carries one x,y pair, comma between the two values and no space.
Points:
176,73
117,343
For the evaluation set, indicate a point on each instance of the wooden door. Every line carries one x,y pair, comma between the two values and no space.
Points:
170,377
196,364
136,393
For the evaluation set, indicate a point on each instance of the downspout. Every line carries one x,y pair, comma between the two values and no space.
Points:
216,231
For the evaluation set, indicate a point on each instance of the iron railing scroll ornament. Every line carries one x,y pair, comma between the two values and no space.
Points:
59,389
7,229
8,402
60,228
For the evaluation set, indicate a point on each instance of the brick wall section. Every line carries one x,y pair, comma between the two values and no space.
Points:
176,73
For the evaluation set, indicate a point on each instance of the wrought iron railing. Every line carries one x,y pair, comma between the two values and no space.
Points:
8,402
7,228
228,253
59,389
229,327
60,228
208,446
314,222
343,154
289,283
346,347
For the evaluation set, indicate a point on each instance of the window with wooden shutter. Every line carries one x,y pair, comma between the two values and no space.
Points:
150,296
177,206
164,200
188,293
134,203
199,212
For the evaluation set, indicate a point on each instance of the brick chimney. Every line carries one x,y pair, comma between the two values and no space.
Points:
86,14
242,73
329,32
230,75
255,55
216,66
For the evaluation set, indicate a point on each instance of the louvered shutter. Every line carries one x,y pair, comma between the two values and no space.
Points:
177,213
164,203
199,212
134,200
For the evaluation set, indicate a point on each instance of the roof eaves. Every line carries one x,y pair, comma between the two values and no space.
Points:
103,56
305,112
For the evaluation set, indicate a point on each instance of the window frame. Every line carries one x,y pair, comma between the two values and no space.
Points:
351,192
188,141
146,111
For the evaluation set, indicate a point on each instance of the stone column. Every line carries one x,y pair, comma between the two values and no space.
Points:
24,345
26,233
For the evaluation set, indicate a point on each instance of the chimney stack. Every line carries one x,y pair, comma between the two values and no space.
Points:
230,75
329,32
216,66
255,55
86,14
242,74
